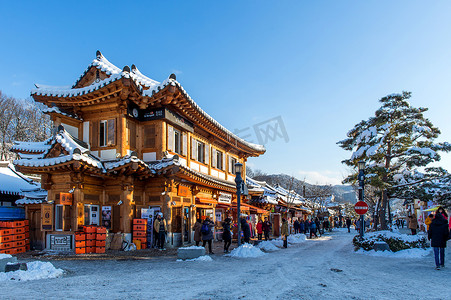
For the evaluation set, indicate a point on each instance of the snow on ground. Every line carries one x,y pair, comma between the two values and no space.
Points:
200,258
246,251
322,268
192,247
36,270
277,242
297,238
267,246
5,255
396,235
408,253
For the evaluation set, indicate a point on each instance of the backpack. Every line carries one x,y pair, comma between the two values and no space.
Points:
205,229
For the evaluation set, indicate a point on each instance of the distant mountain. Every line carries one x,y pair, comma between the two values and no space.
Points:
342,193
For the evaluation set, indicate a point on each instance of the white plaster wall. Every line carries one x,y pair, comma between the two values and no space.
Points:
86,132
108,154
150,156
71,129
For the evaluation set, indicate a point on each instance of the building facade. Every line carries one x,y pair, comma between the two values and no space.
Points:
122,143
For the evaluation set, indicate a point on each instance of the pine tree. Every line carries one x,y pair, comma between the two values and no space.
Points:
396,144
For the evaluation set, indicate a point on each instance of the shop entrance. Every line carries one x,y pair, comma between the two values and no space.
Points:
186,225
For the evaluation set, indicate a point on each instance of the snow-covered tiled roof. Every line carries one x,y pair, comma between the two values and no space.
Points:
33,196
147,86
59,111
33,147
12,182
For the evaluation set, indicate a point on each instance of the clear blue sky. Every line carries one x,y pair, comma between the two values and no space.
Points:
320,65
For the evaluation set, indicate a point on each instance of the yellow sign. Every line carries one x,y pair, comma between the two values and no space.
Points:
66,198
46,217
183,191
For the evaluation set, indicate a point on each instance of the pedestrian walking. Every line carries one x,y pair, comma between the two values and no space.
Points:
312,228
428,221
445,216
246,230
285,232
438,235
348,224
296,226
318,225
413,224
301,226
197,235
161,229
226,234
267,228
259,229
207,233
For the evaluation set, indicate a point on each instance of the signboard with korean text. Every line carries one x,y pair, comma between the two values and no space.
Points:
46,217
224,198
106,217
60,242
65,199
182,191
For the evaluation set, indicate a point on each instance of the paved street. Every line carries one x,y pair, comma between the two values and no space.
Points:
324,268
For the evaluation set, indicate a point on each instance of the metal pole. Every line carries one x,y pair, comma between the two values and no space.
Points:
238,195
361,198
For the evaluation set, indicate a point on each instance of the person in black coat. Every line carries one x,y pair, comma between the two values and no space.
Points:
226,235
296,226
438,234
246,231
348,224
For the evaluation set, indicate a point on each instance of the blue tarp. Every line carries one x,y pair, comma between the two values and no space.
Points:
11,213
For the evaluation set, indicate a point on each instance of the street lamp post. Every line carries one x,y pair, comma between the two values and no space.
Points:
239,182
361,165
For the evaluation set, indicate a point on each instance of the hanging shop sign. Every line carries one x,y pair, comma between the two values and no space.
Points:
65,199
157,114
46,217
182,191
224,198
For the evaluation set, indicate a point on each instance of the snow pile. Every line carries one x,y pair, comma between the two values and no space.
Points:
36,270
297,238
408,253
200,258
192,247
5,256
267,246
395,240
246,250
277,242
396,235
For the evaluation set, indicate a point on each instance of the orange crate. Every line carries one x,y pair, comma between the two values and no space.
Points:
27,235
26,222
90,243
80,250
101,236
143,245
6,238
12,224
90,236
89,229
27,241
18,230
4,232
100,230
20,243
90,249
139,221
80,244
19,237
139,234
142,240
9,245
100,249
21,249
139,227
8,251
27,247
100,243
80,236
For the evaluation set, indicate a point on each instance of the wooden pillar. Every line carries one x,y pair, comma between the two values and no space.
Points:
127,210
77,217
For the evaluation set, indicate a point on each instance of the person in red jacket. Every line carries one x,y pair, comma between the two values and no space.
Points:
260,229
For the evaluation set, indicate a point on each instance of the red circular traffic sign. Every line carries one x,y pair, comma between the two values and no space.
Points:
361,207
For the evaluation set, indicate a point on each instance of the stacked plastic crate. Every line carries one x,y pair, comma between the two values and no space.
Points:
14,237
90,232
80,242
100,239
140,232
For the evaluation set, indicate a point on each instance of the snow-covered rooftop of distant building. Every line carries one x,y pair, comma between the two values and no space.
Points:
12,182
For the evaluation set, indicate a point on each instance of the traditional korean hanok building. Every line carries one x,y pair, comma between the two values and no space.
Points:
124,142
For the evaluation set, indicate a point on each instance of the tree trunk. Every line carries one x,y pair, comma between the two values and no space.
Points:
382,212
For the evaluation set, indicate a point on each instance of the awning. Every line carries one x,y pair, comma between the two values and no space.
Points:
255,209
432,209
206,200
